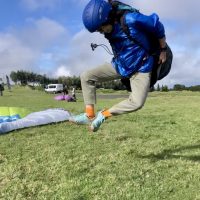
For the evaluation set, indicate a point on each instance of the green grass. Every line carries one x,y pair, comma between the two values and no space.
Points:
151,154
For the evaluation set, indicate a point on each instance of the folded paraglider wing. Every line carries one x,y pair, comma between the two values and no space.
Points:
35,119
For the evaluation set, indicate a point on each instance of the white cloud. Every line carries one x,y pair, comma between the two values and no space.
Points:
22,49
40,33
13,54
175,10
81,57
33,5
62,71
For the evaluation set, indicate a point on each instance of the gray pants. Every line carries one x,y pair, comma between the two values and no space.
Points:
139,85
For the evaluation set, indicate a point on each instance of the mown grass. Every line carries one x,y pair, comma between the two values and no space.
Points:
151,154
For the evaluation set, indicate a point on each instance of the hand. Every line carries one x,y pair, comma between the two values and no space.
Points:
162,57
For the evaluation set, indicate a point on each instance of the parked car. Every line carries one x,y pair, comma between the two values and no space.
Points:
54,88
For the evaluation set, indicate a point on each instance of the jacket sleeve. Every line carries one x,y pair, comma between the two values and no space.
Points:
146,23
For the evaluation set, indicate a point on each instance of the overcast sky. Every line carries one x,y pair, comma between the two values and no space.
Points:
48,37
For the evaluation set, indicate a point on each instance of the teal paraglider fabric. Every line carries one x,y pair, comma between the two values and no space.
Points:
9,118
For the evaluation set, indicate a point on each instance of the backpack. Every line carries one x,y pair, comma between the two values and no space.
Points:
159,71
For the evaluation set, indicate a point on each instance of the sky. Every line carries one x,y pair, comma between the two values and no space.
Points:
48,37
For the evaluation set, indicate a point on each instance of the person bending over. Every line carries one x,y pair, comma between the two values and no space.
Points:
131,59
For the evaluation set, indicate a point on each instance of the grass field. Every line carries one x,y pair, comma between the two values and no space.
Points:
151,154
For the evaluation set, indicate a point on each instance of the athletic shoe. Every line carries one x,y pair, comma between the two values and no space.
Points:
96,123
80,119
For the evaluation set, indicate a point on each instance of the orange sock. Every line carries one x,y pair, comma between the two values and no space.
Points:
90,111
106,113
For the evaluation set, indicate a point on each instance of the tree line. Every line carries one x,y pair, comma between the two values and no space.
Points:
177,87
27,78
24,78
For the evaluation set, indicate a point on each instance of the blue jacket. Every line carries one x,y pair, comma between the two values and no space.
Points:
130,57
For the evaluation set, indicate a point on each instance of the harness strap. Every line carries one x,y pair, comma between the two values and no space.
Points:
126,30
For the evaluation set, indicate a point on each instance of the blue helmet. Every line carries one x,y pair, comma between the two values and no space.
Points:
95,14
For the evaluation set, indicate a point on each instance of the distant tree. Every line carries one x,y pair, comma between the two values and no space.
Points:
179,87
22,76
25,77
164,88
69,81
13,76
194,88
76,82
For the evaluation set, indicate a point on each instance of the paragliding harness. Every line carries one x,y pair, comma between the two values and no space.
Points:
159,71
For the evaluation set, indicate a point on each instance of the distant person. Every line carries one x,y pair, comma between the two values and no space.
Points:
131,59
65,90
1,88
8,83
74,93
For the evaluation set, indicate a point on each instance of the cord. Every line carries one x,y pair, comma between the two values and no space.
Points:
94,46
